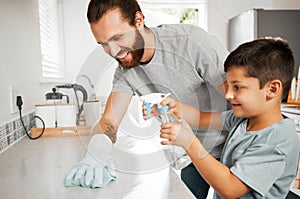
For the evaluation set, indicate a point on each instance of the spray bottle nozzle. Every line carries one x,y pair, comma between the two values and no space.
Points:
152,99
148,108
163,109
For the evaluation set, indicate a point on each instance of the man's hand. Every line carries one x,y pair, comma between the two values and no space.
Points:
96,169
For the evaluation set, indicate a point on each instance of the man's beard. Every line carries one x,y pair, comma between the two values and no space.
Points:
137,52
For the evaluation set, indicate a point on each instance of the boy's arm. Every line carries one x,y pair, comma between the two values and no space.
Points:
116,106
215,173
222,88
194,117
199,119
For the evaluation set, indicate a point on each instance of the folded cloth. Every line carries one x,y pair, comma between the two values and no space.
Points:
96,169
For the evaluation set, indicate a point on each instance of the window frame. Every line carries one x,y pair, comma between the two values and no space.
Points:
201,5
52,41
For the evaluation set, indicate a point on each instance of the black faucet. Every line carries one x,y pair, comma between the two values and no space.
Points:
76,87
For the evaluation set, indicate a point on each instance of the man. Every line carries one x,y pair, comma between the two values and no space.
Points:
183,60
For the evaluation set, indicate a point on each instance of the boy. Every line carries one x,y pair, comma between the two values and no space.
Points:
260,156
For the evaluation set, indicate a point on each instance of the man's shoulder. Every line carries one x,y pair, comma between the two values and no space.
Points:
178,28
181,33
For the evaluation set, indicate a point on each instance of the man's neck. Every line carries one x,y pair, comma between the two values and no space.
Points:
149,40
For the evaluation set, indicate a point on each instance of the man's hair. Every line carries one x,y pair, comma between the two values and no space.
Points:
265,59
128,8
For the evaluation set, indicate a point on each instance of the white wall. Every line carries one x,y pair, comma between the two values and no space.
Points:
79,41
20,57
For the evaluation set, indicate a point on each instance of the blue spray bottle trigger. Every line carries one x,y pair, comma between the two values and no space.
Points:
163,109
148,108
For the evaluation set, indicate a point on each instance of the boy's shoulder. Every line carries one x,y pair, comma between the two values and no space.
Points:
285,130
282,135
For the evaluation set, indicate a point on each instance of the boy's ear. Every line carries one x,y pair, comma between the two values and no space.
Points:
274,89
139,19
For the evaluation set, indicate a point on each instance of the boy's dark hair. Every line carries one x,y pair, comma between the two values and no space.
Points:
265,59
97,8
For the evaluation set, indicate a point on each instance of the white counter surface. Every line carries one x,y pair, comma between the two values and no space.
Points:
36,169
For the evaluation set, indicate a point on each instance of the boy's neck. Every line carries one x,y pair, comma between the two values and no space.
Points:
264,120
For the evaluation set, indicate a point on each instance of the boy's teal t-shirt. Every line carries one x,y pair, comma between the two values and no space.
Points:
265,160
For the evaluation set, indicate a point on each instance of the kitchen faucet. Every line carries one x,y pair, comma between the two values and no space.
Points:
76,87
93,95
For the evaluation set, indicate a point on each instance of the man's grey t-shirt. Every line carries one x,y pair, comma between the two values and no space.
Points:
265,160
188,63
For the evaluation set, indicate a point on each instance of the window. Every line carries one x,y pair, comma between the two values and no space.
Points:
174,11
52,41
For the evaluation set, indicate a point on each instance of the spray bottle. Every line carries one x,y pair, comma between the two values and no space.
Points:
175,155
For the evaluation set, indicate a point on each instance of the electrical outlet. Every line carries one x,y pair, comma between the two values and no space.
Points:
14,92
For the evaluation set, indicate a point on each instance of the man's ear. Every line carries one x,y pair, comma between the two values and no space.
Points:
274,88
139,19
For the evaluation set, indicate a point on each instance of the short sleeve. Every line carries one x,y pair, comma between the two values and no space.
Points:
229,120
259,167
212,54
120,83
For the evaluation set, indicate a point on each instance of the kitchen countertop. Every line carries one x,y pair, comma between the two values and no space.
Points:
291,108
36,169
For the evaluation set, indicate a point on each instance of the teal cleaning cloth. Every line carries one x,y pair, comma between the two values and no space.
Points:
96,169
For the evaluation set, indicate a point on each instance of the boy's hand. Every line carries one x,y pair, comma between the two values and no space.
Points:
153,111
174,106
179,134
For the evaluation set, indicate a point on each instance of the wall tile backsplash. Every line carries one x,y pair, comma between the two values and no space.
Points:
12,131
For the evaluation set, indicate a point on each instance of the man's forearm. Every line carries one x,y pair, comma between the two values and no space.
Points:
111,131
108,128
115,109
